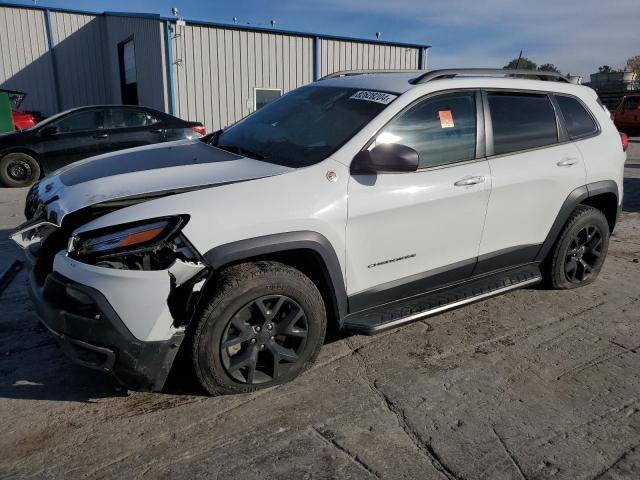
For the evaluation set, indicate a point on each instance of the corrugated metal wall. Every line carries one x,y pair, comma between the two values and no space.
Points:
336,55
217,69
25,62
149,48
83,72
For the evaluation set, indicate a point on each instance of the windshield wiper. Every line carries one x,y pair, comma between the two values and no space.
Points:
242,151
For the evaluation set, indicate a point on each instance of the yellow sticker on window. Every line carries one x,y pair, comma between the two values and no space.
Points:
446,118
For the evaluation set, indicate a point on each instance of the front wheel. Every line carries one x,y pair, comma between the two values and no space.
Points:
18,170
263,326
579,253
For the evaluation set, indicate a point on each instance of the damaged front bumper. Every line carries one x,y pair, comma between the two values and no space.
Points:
112,320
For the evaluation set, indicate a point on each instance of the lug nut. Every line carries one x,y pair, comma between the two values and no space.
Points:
272,337
257,328
253,340
269,327
262,347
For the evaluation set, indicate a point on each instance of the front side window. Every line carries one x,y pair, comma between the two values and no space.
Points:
576,118
521,121
129,118
80,122
305,126
441,129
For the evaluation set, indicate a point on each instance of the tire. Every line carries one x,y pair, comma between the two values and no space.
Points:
580,251
274,306
19,170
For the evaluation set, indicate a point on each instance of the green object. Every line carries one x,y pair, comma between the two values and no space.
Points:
6,118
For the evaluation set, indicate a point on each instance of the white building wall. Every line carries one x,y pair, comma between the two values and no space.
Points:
25,63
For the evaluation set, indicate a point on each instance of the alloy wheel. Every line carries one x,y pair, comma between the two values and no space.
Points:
583,254
264,339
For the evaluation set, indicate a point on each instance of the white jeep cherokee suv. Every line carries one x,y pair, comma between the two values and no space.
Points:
366,199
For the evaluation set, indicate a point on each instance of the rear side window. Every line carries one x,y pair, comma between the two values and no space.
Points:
521,121
130,118
441,129
576,118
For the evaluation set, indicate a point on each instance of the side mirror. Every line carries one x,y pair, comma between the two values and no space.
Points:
387,157
48,131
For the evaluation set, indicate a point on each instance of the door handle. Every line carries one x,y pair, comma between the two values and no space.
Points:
101,135
157,130
466,181
567,162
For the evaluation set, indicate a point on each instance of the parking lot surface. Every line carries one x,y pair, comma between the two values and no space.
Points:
532,384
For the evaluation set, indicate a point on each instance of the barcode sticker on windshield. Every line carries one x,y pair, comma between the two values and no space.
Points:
378,97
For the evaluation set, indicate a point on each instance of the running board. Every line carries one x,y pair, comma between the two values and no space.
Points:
397,313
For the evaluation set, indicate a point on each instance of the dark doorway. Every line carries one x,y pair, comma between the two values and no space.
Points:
128,77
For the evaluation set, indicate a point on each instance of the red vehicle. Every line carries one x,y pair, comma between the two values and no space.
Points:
627,115
21,120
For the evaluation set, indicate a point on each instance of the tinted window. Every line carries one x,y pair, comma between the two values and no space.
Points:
521,121
576,118
441,129
81,121
128,118
303,127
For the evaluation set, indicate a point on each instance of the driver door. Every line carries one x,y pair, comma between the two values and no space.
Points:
408,233
79,135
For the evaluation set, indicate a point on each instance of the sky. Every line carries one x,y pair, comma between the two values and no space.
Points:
575,35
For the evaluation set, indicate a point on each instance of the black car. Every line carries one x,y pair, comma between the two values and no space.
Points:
84,132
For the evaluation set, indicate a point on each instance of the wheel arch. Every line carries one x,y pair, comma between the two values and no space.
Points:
310,252
603,195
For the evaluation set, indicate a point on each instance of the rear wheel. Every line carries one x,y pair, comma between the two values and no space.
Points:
263,326
19,170
579,252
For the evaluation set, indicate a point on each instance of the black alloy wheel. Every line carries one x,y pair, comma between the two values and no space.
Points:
263,339
260,324
578,254
583,254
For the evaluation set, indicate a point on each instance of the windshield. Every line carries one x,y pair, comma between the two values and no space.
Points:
305,126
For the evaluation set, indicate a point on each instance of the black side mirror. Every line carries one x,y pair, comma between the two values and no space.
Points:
387,157
48,131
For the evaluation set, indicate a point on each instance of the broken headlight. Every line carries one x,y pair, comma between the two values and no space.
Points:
151,245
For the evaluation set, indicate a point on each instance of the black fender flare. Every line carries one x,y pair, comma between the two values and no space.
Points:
240,250
576,197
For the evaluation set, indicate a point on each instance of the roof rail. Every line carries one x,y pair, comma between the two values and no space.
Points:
453,72
348,73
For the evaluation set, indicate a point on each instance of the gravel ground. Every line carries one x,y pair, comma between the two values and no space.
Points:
532,384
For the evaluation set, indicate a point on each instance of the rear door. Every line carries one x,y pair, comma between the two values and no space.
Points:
133,127
410,232
534,167
79,135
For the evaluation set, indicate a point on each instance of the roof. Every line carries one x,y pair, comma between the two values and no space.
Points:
386,82
231,26
400,83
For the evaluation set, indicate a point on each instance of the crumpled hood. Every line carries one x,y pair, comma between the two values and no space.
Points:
155,170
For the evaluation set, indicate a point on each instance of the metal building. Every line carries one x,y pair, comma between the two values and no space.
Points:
213,73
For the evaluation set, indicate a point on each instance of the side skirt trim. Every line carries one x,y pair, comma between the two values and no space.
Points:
460,303
405,311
